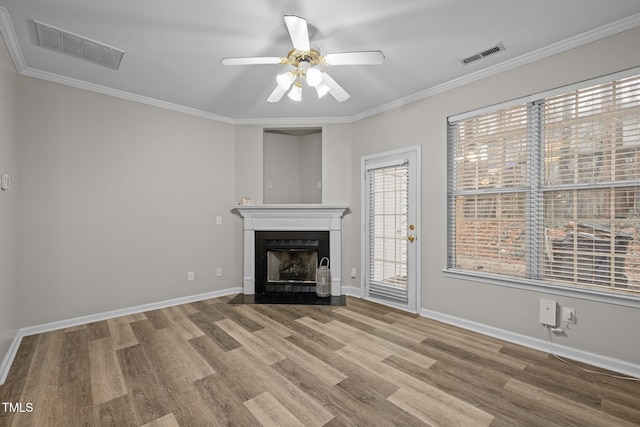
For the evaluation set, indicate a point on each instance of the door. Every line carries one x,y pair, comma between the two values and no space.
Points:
390,216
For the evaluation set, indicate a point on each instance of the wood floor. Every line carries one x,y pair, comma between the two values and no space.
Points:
211,363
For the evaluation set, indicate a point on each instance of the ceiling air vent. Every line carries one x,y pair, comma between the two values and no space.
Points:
495,49
78,46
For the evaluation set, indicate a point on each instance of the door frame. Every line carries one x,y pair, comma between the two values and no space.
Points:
364,197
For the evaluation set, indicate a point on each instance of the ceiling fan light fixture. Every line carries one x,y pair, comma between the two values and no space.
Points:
285,80
302,58
314,77
322,89
295,93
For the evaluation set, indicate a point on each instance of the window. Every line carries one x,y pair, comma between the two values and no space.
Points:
548,191
388,212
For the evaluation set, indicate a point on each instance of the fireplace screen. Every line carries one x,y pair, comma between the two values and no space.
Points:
292,266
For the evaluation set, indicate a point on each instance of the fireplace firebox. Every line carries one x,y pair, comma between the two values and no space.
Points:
286,261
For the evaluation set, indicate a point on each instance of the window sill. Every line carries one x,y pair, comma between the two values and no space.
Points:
548,288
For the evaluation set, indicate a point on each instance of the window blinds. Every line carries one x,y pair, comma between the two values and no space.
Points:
590,188
548,190
490,189
387,231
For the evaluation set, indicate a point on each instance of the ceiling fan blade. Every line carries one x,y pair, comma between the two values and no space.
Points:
298,31
256,60
277,94
335,89
372,57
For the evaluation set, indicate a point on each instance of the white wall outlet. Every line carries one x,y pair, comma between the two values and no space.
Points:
568,315
219,271
191,276
548,312
353,273
218,220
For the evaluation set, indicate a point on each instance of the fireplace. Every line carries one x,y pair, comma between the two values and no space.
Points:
286,261
308,223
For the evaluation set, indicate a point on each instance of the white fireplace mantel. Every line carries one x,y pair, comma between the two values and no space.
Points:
291,218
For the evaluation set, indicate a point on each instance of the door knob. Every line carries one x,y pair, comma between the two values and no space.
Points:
411,237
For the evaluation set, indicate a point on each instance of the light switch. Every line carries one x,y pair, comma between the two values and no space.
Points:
6,182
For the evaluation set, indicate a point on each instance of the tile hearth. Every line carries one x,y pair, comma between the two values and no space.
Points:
289,298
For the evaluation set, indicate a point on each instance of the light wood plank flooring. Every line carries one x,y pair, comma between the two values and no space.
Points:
209,363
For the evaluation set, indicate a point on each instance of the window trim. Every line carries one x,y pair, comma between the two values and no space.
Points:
534,285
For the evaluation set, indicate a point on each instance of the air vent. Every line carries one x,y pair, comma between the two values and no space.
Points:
495,49
77,46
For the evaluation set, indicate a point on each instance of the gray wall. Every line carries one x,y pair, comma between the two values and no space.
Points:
602,328
249,172
311,168
281,169
9,318
118,202
292,168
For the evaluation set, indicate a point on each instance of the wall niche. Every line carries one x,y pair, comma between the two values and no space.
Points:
292,166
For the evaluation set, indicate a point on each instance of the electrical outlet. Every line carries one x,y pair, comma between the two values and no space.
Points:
219,271
218,220
568,315
191,276
353,273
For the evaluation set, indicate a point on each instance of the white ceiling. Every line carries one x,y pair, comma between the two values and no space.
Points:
173,48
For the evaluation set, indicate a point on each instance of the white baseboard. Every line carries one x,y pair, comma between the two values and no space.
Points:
351,291
616,365
605,362
8,358
83,320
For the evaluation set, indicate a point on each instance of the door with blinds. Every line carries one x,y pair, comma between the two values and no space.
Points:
391,230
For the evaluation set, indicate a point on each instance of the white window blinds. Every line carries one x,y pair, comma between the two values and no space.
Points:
489,179
548,190
590,189
386,231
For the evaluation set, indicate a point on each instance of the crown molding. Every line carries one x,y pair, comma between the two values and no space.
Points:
293,121
79,84
545,52
9,34
7,30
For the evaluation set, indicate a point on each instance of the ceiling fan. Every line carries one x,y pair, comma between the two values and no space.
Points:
305,60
